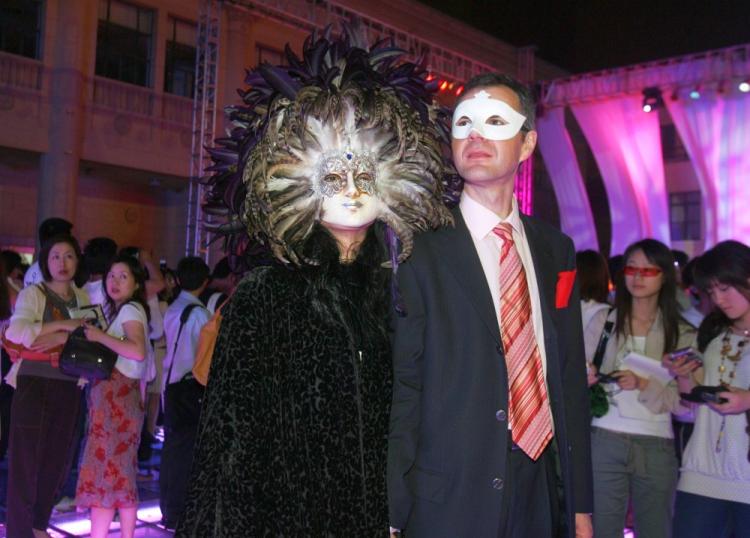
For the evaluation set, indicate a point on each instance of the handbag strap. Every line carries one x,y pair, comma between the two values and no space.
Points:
183,318
603,339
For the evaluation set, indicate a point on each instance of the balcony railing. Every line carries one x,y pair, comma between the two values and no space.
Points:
20,73
129,99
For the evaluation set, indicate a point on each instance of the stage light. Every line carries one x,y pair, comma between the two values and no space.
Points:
651,98
744,86
443,85
459,90
430,77
695,93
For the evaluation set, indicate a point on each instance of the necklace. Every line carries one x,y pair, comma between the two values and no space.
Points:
734,358
726,349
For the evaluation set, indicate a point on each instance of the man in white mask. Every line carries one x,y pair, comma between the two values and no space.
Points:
490,414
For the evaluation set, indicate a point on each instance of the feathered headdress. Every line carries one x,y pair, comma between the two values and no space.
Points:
341,96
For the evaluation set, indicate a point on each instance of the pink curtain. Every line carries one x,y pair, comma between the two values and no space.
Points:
626,143
559,156
715,131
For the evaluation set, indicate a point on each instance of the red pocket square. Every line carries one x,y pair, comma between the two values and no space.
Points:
565,281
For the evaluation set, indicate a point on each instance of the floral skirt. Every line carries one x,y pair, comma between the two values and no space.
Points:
107,474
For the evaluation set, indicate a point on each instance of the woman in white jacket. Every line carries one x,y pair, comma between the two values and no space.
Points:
713,494
46,402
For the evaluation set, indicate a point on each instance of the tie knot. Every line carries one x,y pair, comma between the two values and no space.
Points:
504,231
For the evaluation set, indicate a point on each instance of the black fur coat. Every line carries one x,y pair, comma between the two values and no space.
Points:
293,434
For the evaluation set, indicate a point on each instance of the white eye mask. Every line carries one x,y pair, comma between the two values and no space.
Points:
475,114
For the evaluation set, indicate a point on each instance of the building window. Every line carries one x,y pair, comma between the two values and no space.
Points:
179,69
124,42
269,55
21,27
685,215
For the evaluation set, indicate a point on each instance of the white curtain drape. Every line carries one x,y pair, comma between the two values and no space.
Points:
626,143
576,218
715,131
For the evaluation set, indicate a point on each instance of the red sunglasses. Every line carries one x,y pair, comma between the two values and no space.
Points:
630,270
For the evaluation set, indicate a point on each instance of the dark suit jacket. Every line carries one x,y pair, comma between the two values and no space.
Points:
449,432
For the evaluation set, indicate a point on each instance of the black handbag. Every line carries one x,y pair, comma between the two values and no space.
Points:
597,394
83,358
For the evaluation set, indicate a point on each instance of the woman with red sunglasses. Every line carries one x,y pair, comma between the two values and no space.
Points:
633,453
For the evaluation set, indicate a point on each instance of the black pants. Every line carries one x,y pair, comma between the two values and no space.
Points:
6,397
182,409
530,506
43,420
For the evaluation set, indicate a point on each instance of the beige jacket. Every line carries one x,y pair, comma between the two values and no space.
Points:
656,397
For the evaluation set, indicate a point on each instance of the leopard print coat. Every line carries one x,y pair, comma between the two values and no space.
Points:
293,434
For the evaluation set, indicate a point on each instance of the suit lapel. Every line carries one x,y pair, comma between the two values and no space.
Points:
546,276
462,260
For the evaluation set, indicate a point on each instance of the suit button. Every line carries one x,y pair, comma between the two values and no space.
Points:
497,483
501,416
499,349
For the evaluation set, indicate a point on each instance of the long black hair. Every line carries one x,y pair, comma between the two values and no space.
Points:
356,292
139,295
659,254
728,263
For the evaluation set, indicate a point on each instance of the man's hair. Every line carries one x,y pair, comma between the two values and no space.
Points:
53,226
222,268
528,106
98,254
192,272
11,260
47,247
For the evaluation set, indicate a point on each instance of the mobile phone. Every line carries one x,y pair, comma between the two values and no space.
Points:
607,378
689,352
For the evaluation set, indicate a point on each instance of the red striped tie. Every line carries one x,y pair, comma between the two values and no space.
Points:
528,408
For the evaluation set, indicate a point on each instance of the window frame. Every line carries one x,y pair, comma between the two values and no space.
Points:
690,226
38,32
169,60
104,44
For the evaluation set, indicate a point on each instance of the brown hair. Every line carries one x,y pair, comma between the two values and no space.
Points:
593,276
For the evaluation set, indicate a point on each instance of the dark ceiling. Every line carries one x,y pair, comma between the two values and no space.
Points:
588,35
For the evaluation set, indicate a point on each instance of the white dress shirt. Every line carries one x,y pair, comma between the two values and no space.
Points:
184,357
33,275
481,221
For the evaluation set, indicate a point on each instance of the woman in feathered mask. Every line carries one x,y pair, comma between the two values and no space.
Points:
333,163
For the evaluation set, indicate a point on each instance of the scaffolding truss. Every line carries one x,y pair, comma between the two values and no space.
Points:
197,237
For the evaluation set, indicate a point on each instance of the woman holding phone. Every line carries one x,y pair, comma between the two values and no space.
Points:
713,494
633,453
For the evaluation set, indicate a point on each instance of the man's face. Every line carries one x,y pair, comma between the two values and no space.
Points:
495,113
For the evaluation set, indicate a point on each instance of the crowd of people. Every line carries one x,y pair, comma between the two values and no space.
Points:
39,307
420,357
680,464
